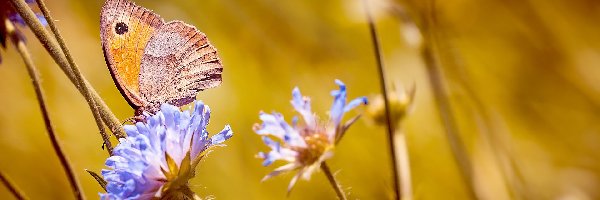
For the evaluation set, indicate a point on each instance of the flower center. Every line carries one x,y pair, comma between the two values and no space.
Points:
317,144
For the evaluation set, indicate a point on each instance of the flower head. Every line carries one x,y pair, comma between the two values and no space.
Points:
159,156
401,102
307,144
8,12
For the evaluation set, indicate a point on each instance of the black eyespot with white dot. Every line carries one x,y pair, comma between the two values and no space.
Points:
121,28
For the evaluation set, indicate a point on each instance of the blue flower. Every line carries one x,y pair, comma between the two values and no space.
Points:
7,11
17,19
304,145
159,156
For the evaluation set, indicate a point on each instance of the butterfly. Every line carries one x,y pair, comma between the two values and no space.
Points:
154,62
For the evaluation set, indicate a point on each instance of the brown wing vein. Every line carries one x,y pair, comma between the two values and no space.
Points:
178,62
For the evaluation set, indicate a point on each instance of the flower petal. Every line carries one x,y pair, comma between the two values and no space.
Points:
337,109
282,169
276,126
270,125
154,151
302,106
277,152
293,181
219,138
354,103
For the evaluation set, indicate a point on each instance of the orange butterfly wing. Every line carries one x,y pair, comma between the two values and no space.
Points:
153,62
125,29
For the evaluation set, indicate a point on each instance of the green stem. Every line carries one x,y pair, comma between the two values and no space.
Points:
34,75
334,184
11,187
55,51
78,77
382,83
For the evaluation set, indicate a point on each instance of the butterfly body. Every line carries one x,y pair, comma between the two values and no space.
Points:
154,62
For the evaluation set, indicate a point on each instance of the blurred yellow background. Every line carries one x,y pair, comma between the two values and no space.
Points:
523,79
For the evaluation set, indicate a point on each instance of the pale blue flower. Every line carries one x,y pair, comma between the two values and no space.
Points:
304,145
158,156
7,11
17,19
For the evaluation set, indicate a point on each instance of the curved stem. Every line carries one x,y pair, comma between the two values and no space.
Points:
334,184
33,73
442,100
382,82
445,110
55,51
78,77
11,187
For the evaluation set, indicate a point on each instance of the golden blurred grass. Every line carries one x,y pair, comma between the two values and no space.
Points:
531,66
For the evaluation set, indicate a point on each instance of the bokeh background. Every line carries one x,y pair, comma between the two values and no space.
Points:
522,77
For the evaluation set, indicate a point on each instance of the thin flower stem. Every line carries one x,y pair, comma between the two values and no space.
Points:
382,82
426,23
403,162
78,77
334,183
18,194
33,73
443,102
509,172
55,51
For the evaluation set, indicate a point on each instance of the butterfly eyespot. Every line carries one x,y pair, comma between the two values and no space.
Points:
121,28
